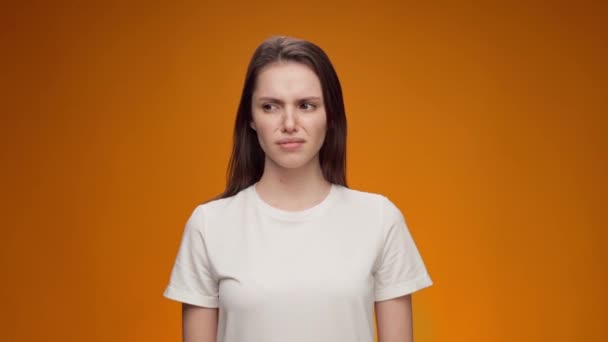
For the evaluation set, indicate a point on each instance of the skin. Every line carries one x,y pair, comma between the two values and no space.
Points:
287,102
394,319
199,324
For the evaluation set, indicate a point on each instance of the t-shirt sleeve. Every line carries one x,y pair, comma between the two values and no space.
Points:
400,269
192,278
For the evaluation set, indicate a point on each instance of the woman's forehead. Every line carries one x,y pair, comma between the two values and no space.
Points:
287,80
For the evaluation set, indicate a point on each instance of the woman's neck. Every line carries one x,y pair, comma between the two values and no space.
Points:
292,189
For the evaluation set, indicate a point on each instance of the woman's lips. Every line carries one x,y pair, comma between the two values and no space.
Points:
291,145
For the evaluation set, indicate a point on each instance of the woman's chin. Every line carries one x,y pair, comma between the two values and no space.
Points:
292,163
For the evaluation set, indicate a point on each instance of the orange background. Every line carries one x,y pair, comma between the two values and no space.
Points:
484,123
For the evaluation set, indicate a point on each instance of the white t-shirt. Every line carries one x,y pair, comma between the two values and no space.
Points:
310,275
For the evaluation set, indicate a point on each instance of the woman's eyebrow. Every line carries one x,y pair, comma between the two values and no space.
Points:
272,99
311,98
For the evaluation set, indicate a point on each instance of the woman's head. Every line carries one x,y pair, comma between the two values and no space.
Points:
288,115
291,90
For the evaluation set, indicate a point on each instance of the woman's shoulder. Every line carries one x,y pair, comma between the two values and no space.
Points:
221,205
369,199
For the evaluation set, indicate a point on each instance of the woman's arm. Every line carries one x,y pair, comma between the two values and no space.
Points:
394,319
199,324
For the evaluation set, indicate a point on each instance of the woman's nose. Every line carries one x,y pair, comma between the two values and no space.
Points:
289,119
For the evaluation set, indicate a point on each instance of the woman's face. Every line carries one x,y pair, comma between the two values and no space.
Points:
287,105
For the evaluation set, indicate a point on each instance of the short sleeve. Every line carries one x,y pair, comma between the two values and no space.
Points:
400,269
192,278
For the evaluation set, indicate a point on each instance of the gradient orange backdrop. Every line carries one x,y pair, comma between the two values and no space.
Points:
484,123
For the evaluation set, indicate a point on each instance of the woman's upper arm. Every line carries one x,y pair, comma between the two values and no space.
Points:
199,323
394,319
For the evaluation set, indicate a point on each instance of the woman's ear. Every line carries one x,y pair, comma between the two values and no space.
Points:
252,125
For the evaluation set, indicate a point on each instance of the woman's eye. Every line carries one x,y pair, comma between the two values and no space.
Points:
308,106
267,106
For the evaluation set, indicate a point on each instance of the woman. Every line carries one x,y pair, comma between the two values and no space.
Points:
288,252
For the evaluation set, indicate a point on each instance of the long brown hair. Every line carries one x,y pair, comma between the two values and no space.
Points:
247,160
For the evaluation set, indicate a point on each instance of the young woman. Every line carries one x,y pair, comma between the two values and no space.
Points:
288,252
